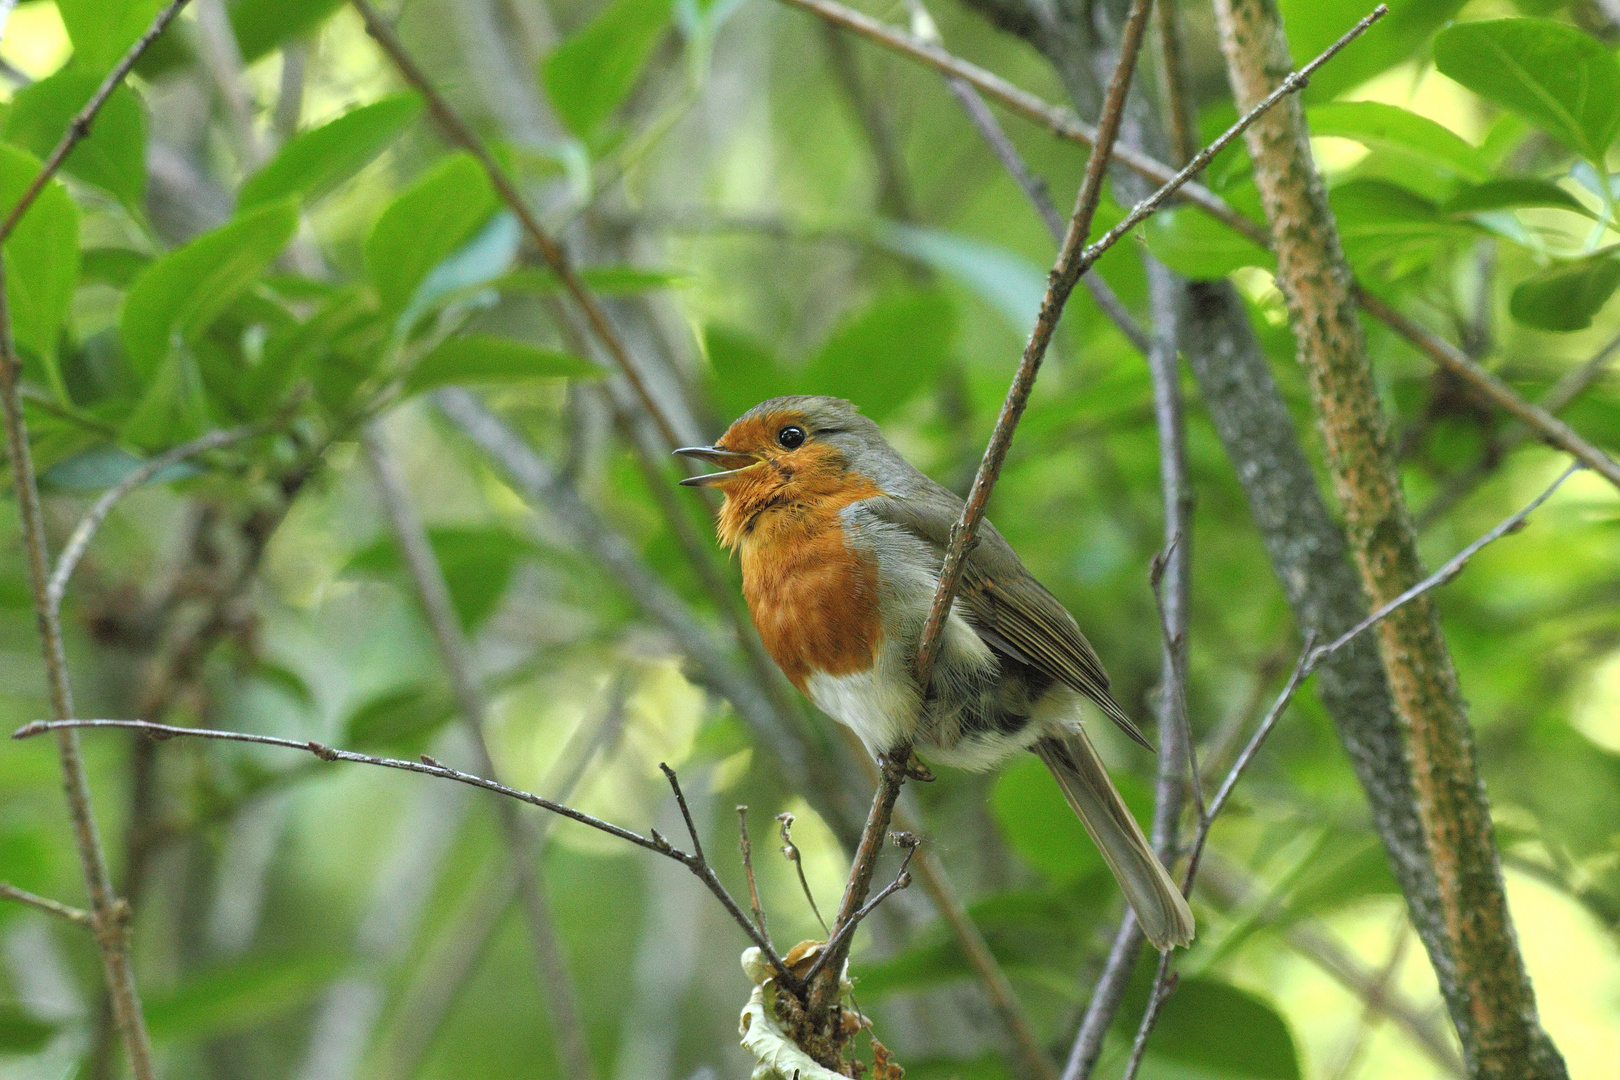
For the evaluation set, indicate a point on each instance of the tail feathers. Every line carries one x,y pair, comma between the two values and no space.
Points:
1160,908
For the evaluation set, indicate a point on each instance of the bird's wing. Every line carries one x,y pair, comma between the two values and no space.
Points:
1012,612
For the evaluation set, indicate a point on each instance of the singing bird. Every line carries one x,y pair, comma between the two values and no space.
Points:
841,541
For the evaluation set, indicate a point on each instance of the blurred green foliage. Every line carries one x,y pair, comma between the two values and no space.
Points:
325,263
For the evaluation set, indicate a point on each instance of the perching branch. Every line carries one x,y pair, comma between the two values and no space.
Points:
1065,125
428,766
456,131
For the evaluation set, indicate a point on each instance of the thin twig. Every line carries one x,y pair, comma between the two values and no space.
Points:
989,128
1574,383
902,880
1310,657
1172,562
1548,427
1105,998
747,850
686,813
81,917
1173,80
458,132
429,767
85,531
790,852
78,128
1060,283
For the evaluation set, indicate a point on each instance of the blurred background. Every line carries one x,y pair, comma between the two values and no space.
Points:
767,208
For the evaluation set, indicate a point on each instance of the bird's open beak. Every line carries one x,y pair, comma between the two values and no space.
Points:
728,460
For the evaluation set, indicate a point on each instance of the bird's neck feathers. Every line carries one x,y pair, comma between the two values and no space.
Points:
783,498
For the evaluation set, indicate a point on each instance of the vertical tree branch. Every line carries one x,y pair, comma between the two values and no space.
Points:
1494,1007
456,654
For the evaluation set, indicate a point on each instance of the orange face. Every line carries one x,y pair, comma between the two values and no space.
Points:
773,463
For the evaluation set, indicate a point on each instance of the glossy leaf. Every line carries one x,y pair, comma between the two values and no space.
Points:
1515,193
1011,284
319,159
1565,297
1375,124
478,358
113,157
425,224
885,353
179,295
42,261
1553,75
261,26
589,75
1381,223
1221,1031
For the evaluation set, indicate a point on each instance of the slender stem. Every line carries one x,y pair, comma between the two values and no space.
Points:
72,914
458,132
1105,998
1060,283
840,938
429,767
79,542
1178,104
747,850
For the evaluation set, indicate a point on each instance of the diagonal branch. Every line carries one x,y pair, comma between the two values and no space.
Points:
78,916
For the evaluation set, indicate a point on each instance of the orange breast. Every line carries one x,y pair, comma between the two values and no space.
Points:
813,599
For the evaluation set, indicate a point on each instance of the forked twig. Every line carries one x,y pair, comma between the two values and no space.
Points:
902,880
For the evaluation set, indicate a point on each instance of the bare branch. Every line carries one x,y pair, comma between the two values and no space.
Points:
902,880
78,128
85,530
747,850
429,767
79,916
1060,283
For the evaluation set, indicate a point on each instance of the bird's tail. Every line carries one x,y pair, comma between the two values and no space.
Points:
1160,908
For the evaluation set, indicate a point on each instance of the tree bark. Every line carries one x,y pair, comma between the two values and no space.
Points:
1490,997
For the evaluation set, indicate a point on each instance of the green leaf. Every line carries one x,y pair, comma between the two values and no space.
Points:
318,160
1313,25
262,25
591,73
42,261
21,1033
1513,194
1381,223
745,372
426,223
113,157
103,30
173,406
100,467
400,720
113,266
1196,246
885,354
1567,296
1375,124
240,995
484,358
1553,75
1040,826
606,280
180,294
477,564
1221,1031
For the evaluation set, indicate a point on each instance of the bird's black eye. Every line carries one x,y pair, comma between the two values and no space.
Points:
790,438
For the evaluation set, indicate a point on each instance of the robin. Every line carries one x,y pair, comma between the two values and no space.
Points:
841,541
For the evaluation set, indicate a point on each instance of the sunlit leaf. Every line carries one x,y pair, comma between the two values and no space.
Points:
424,224
590,74
102,30
1515,193
1553,75
483,358
1008,282
1565,297
1313,25
263,25
319,159
1196,246
1375,124
112,157
180,294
